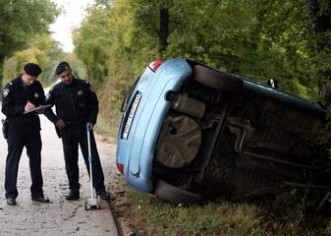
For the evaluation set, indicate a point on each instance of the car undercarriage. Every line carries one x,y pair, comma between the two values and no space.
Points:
235,141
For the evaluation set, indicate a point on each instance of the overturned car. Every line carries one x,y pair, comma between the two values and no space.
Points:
189,133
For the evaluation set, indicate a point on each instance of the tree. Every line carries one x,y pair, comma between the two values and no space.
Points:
21,20
91,40
258,39
43,50
321,47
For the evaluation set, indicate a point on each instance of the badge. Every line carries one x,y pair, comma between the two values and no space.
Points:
5,92
36,95
80,92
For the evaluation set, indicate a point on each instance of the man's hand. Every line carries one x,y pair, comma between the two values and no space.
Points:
40,111
89,126
60,123
29,106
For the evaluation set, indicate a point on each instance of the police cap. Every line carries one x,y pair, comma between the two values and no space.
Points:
62,66
32,69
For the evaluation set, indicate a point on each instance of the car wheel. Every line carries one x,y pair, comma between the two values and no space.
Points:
217,80
172,194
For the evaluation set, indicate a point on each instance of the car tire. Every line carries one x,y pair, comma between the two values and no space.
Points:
217,80
172,194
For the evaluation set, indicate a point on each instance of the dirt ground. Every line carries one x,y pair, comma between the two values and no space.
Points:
122,211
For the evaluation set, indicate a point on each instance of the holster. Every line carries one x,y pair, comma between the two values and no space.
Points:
4,128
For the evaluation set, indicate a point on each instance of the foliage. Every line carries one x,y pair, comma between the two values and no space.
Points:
259,39
224,218
321,49
20,21
113,51
42,50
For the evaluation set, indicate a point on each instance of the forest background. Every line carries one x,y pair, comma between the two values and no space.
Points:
260,39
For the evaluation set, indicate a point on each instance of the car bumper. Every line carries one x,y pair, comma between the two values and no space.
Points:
136,152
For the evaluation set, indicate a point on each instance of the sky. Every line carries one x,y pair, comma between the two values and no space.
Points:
71,16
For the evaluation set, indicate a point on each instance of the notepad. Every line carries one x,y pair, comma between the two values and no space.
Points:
37,108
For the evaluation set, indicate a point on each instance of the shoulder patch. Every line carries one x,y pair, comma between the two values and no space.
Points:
5,92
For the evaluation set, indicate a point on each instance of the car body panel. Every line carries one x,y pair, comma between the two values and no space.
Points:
289,100
148,120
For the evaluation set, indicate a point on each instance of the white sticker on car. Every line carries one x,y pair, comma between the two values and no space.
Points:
132,112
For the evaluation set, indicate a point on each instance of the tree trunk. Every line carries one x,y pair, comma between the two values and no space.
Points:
164,29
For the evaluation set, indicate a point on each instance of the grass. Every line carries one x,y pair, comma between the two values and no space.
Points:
221,218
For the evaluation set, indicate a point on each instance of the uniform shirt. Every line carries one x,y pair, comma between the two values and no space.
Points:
14,98
75,103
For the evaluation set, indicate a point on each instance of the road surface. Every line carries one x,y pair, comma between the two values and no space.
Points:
60,217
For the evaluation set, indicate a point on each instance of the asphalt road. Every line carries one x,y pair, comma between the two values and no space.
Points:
60,217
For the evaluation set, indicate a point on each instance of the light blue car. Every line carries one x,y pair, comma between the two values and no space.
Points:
189,132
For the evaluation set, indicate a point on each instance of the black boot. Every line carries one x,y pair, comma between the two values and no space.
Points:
73,195
40,198
104,195
11,201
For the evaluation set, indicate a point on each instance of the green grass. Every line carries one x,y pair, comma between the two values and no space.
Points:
221,218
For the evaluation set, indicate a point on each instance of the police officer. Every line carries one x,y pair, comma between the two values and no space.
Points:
76,106
20,96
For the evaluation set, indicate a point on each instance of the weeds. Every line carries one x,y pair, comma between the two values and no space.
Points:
286,216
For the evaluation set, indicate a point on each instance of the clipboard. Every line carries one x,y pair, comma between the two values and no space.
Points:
37,108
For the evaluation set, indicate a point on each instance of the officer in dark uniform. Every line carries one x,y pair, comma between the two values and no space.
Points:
19,97
76,106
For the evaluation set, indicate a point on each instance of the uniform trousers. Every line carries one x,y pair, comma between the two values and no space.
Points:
17,140
72,136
